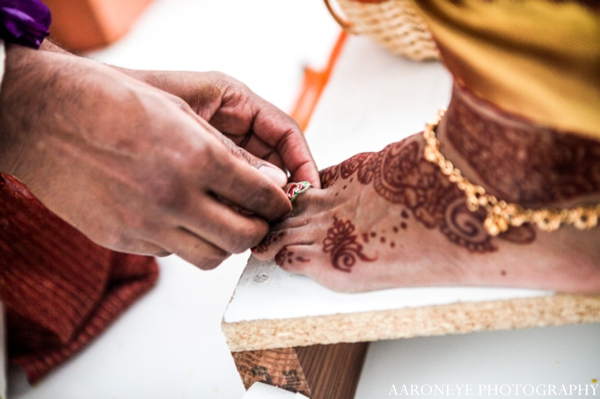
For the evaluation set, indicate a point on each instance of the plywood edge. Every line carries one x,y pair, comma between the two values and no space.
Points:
456,318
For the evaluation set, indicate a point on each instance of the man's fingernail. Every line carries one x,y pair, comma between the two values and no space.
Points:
274,173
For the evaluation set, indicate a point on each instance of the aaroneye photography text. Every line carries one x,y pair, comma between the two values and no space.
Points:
486,390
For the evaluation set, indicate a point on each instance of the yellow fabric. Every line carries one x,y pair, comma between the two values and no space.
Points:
539,59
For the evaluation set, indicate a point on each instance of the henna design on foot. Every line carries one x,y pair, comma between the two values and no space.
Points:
281,256
329,176
545,165
519,235
465,228
351,165
342,245
401,175
286,256
271,238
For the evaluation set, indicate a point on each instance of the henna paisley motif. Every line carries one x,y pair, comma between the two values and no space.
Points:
426,206
351,165
343,247
397,165
271,238
329,176
465,228
286,256
281,256
366,171
524,234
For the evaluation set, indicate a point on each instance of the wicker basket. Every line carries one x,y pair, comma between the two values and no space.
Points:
392,23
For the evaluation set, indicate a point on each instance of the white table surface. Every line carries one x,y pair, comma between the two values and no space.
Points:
290,295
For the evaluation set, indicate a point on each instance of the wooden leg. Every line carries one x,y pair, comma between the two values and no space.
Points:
332,371
318,371
278,367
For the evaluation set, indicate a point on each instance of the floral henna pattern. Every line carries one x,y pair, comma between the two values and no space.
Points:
286,256
271,238
360,162
398,168
281,256
367,168
351,165
329,176
343,247
401,175
545,165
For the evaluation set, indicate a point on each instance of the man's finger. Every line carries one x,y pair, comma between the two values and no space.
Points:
268,169
271,171
248,188
280,132
193,249
224,227
244,113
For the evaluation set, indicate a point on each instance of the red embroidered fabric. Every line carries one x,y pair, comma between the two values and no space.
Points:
60,290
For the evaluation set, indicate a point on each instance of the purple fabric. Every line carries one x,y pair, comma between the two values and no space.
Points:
24,22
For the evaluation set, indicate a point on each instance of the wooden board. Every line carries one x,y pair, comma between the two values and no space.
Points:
272,308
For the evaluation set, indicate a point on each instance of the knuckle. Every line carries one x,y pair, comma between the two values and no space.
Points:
116,241
224,79
249,236
217,75
202,155
209,263
242,244
164,191
204,256
179,102
141,223
167,198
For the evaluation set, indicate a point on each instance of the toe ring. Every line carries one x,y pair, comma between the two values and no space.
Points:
293,190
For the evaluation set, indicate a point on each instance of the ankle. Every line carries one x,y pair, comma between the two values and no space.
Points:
516,160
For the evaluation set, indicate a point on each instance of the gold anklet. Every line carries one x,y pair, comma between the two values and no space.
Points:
500,214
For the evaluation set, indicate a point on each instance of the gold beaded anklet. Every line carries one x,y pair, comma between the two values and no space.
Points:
500,214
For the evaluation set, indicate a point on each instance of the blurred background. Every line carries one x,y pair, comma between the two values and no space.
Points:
169,344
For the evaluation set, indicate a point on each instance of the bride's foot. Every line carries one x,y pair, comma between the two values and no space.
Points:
392,219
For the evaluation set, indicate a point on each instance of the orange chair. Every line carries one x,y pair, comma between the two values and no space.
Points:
80,25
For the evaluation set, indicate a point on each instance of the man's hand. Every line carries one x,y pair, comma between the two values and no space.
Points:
129,165
248,120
